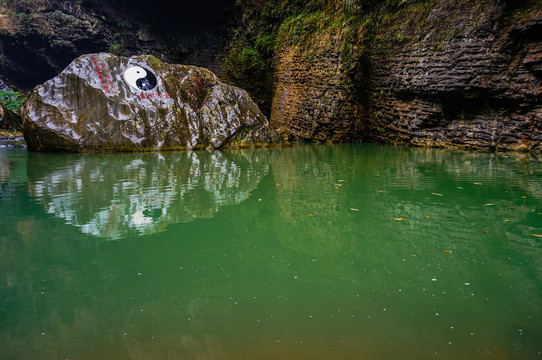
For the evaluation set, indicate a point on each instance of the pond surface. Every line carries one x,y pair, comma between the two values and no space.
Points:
311,252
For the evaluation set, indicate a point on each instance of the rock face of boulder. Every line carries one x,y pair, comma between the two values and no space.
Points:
103,102
9,120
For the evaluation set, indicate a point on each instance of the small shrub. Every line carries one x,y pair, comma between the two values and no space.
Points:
12,99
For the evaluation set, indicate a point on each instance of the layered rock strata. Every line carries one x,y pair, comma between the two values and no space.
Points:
468,78
311,101
445,74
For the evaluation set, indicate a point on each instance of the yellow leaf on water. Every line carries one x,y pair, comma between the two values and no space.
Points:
308,215
354,209
506,220
536,235
399,219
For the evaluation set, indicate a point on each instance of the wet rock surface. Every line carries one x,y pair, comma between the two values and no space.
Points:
311,101
103,102
9,120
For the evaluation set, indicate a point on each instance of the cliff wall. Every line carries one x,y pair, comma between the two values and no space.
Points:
312,99
468,75
431,73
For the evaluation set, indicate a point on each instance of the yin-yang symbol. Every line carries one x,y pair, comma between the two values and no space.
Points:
140,78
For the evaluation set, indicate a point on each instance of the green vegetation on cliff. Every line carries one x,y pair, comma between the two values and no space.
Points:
12,99
267,26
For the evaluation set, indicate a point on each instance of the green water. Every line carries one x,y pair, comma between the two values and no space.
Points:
310,252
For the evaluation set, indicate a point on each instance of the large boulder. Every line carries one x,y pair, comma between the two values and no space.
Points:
103,102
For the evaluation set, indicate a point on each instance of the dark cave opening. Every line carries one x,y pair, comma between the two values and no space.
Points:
166,13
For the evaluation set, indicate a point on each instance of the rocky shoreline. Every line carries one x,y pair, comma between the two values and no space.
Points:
11,139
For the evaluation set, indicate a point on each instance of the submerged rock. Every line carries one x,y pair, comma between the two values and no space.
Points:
103,102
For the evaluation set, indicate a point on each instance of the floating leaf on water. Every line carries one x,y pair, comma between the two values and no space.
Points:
477,183
485,231
400,219
437,194
448,251
426,217
354,209
524,197
342,180
459,187
489,204
538,235
308,215
506,220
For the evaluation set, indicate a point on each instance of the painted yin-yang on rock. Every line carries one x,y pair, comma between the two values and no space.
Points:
140,78
104,102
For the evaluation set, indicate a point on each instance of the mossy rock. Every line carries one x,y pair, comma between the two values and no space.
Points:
103,102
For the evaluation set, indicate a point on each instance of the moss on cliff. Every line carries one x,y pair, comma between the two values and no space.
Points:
263,28
418,64
267,26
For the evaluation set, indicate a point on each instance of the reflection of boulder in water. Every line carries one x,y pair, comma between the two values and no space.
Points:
134,194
